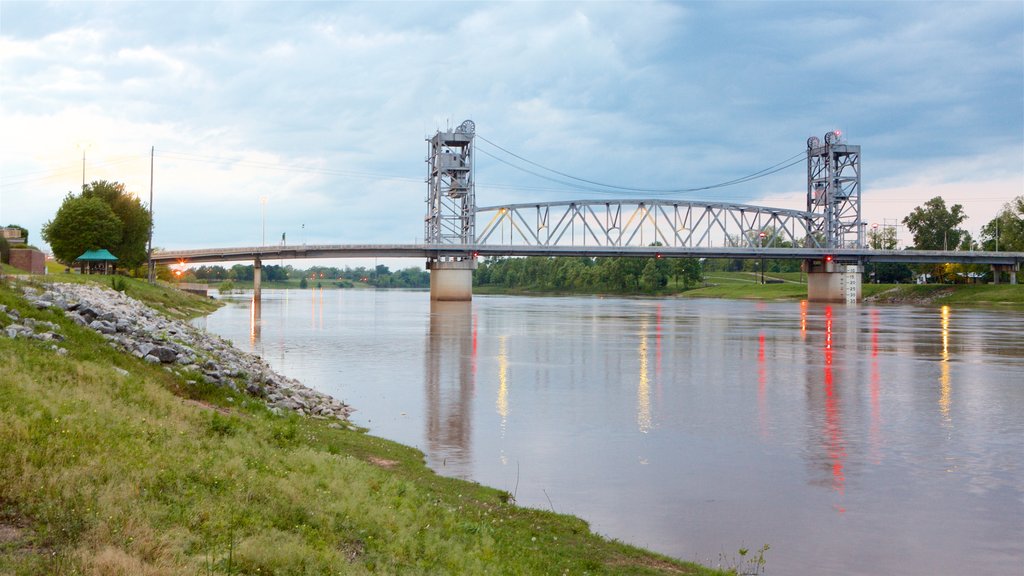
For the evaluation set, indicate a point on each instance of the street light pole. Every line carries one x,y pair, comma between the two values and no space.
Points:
761,236
84,147
263,210
151,270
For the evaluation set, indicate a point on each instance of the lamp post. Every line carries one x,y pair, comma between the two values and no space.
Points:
762,236
150,269
84,146
263,211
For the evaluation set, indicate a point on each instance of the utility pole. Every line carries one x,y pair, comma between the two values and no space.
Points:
151,276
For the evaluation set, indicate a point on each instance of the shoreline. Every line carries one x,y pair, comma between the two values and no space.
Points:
135,469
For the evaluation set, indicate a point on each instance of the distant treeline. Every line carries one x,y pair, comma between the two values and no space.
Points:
613,275
379,276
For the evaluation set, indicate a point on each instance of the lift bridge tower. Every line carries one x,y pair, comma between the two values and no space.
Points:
833,199
833,191
451,210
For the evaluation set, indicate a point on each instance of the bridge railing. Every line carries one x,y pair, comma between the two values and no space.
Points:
623,223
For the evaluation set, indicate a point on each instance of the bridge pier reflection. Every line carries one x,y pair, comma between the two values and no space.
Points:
257,274
449,386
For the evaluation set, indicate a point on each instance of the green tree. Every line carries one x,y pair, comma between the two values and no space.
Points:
136,222
1005,232
883,238
934,226
81,224
687,271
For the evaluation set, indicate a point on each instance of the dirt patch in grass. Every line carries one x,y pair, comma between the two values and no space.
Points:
663,566
9,533
201,404
383,462
352,550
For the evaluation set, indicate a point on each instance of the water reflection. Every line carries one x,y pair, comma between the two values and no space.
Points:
255,321
502,401
827,403
944,369
643,387
449,382
875,431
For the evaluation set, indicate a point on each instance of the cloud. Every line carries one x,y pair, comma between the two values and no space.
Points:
324,108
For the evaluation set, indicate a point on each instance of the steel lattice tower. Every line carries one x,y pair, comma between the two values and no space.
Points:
833,190
451,198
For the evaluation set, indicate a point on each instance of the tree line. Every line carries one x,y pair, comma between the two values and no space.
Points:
379,276
581,274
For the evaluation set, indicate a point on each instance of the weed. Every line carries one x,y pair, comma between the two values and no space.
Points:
119,283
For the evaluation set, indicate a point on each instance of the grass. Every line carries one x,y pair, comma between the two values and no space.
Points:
144,473
977,295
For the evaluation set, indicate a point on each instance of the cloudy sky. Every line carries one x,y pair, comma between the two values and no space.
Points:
323,108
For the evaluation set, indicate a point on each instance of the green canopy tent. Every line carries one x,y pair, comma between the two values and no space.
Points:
97,262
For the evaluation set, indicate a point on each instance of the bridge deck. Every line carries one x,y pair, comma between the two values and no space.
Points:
852,256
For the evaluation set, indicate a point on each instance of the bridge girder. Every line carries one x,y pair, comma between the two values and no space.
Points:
670,223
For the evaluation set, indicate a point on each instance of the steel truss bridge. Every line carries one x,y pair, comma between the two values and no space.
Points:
457,231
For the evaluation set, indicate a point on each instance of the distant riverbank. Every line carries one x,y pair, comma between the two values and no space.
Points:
748,287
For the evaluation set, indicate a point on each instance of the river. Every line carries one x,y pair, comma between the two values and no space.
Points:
850,439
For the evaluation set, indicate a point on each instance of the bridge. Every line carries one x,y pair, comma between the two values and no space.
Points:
828,236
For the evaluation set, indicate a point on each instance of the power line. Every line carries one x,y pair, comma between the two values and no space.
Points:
759,174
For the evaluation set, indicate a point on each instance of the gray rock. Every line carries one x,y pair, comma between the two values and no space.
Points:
165,354
103,327
151,359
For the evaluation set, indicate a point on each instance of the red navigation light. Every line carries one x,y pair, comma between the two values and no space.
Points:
658,255
828,258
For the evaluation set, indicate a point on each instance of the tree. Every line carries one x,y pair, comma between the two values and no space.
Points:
81,224
136,222
1005,232
883,238
934,226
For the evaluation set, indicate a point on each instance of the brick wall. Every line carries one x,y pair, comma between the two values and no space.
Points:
30,260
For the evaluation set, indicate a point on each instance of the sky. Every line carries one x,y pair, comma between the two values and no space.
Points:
323,108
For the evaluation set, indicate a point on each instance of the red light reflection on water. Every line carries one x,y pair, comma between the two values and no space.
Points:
762,385
875,433
834,443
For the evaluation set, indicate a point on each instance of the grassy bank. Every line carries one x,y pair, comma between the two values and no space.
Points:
111,465
792,286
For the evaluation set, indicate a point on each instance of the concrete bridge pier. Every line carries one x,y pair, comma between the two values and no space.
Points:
1010,269
828,281
257,272
451,280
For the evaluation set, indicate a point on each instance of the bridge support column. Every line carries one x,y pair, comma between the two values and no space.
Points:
831,282
1010,269
257,273
451,280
